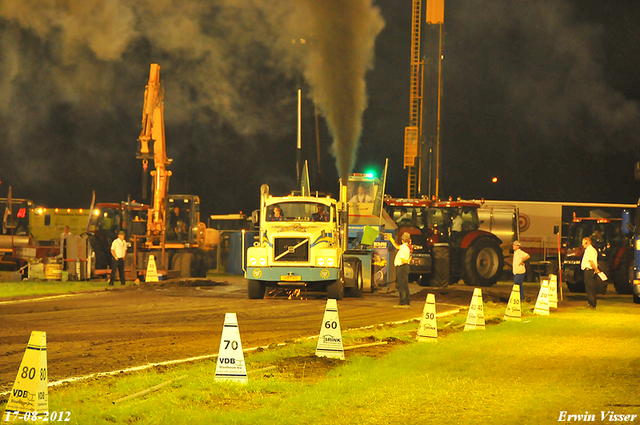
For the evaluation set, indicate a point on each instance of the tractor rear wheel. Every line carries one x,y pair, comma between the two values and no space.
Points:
483,263
623,276
441,267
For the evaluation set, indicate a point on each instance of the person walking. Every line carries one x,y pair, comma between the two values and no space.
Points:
589,265
519,269
402,261
118,252
65,241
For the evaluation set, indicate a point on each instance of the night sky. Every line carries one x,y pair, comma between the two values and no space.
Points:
542,94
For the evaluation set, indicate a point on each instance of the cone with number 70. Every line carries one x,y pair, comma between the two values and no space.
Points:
230,365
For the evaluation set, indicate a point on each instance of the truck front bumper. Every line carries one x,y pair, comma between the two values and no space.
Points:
292,276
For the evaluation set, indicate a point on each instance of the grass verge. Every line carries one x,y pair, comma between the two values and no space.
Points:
515,373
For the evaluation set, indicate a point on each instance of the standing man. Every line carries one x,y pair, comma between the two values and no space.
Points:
590,266
519,269
65,239
118,252
402,261
321,215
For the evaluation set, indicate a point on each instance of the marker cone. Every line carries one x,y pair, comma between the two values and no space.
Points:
428,330
29,393
514,309
475,317
330,338
553,291
152,270
230,365
542,304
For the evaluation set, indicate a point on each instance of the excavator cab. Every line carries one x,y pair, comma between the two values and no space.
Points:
183,216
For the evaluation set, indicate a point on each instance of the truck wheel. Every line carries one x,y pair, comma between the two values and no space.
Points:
335,290
636,299
623,276
483,263
256,290
441,267
576,287
356,291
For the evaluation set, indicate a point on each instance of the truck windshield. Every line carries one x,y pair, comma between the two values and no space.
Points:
298,211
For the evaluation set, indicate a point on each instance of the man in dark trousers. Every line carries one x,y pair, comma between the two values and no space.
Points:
589,265
118,252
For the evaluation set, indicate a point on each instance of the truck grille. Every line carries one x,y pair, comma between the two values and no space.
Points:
286,245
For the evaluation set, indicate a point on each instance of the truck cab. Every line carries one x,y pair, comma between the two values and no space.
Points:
300,246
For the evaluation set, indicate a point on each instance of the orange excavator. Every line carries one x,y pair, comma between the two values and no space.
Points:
170,227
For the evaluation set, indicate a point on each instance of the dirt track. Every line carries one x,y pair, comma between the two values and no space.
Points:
130,326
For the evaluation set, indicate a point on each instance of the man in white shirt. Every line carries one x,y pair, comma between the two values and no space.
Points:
589,265
402,261
361,196
118,252
519,269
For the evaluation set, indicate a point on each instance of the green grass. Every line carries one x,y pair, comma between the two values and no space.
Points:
29,288
511,373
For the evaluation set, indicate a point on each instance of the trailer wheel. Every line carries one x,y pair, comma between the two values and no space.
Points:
335,289
356,291
256,289
623,278
441,267
483,263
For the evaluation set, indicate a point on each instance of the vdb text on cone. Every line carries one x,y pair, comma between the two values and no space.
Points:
330,338
514,308
475,317
553,291
542,304
29,393
428,330
230,365
152,270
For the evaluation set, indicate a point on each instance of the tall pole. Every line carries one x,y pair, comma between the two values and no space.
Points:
299,145
437,183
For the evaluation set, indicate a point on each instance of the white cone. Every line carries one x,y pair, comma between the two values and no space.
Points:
230,365
428,330
553,291
330,338
475,317
29,393
152,270
542,304
514,308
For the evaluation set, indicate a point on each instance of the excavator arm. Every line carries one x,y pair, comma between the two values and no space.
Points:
152,146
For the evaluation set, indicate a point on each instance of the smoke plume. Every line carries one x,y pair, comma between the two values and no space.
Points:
342,47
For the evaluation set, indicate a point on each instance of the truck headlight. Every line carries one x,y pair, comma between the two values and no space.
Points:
320,261
263,261
331,261
253,261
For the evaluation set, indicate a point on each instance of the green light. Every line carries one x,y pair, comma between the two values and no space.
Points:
369,174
